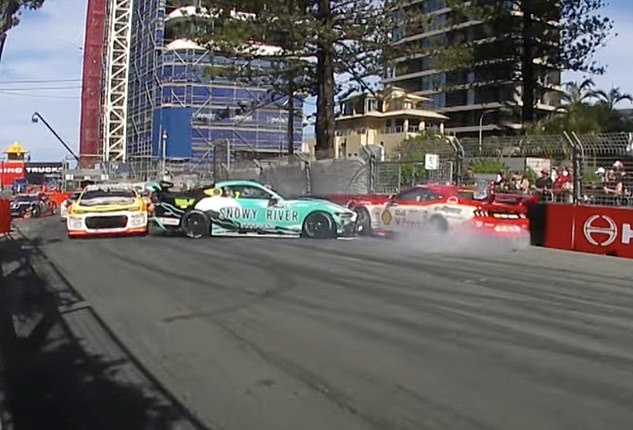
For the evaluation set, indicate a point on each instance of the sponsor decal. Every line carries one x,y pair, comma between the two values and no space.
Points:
281,215
602,230
270,215
238,213
46,170
386,217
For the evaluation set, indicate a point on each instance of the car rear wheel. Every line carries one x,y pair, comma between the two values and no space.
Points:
195,224
319,225
363,221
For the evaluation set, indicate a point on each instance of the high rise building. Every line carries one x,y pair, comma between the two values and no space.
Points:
472,97
157,101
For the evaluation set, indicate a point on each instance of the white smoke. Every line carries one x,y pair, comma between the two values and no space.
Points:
454,242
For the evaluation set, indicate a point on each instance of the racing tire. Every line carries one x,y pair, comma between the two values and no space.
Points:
438,224
363,221
195,224
319,225
36,211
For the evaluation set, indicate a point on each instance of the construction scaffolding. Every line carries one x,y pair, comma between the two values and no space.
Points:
180,118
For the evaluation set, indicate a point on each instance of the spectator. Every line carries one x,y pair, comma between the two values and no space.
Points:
524,185
469,178
544,181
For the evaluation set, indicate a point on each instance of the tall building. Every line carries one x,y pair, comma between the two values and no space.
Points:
468,97
158,104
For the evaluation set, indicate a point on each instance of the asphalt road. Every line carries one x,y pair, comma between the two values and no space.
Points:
366,334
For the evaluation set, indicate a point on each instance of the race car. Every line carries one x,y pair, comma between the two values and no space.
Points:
31,205
245,207
63,208
107,210
438,209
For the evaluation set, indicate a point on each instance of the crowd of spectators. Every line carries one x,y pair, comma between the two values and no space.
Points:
614,186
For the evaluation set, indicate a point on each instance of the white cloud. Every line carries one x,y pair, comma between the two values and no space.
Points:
45,46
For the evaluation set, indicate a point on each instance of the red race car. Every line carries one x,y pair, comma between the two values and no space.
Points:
439,208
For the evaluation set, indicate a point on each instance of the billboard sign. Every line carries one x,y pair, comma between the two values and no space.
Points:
11,170
36,172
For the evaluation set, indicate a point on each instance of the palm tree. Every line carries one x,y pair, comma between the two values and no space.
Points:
576,94
613,97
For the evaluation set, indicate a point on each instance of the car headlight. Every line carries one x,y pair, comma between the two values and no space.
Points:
75,222
347,216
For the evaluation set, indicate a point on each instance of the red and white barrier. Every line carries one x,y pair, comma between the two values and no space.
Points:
596,229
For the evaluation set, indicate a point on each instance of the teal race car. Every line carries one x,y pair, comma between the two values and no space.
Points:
246,207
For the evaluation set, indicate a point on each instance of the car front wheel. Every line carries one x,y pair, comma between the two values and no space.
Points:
319,225
195,225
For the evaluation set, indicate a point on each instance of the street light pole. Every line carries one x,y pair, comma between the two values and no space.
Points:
481,125
164,155
36,117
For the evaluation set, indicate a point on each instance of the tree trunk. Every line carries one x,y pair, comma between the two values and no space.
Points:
527,69
324,126
3,38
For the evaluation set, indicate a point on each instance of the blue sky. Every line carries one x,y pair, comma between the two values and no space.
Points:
47,47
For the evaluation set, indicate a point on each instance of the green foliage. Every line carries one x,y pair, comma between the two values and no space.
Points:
10,15
10,12
415,148
487,165
318,39
585,110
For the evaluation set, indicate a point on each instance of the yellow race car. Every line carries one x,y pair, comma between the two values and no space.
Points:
108,210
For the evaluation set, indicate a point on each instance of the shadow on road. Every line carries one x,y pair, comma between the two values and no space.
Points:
48,379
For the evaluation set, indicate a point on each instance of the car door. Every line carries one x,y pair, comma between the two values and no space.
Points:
251,211
410,208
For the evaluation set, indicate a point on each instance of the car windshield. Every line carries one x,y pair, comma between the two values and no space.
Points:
95,197
25,198
274,191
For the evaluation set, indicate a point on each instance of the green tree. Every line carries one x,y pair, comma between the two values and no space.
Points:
318,40
541,38
10,15
585,110
613,97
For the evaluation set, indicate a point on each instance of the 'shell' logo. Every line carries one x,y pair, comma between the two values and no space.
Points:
601,230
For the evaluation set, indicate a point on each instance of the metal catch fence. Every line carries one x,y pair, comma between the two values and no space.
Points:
592,169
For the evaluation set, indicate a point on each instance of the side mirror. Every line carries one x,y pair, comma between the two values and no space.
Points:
272,202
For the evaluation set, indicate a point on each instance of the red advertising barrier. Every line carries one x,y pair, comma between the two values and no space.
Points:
5,216
58,197
10,170
559,228
596,229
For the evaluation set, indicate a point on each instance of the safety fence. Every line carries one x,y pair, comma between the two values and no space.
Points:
566,168
588,169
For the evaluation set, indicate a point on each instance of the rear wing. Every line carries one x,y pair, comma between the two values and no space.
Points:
510,199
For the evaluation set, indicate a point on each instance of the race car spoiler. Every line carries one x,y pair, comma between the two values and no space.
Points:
512,199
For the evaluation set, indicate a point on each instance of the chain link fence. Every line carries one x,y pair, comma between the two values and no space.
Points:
591,169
